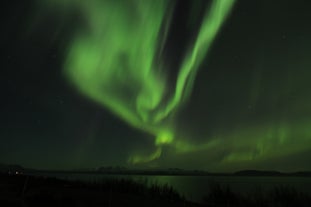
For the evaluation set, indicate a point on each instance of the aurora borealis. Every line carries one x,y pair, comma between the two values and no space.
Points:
214,85
116,62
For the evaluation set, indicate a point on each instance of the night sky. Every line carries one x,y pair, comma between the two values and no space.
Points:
100,84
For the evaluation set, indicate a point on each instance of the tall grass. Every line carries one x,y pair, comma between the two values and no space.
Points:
279,196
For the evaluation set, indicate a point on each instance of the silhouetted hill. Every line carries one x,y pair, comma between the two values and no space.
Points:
302,174
257,173
270,173
119,170
11,169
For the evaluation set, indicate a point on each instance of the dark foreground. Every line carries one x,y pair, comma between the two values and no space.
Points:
24,191
21,190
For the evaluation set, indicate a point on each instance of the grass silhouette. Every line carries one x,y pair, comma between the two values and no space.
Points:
278,196
31,191
44,192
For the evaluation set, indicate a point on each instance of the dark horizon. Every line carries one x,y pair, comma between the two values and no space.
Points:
121,170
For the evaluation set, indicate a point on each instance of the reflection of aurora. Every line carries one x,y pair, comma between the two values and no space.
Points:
117,63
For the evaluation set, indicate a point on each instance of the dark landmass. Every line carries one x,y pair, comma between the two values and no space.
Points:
12,169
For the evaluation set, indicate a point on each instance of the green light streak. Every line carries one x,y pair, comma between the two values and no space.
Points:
144,159
115,61
208,31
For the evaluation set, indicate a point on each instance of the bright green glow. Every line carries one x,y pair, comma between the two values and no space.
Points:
143,159
115,61
164,137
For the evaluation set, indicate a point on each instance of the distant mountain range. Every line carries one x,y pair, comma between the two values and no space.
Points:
11,168
270,173
16,169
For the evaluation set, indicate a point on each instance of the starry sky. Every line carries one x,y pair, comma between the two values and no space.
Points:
217,85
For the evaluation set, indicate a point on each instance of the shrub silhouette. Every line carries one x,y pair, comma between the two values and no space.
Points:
279,196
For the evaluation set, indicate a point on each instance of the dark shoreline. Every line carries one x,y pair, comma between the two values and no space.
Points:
27,190
246,173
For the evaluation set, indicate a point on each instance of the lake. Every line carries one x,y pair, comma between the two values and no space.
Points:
195,187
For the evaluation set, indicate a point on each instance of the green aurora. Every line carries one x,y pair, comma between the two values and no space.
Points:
117,62
249,111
